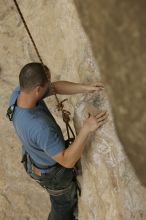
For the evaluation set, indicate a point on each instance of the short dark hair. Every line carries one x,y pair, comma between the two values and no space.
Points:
33,74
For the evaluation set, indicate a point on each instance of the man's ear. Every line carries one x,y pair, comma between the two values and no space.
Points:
37,90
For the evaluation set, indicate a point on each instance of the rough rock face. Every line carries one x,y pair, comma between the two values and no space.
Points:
110,188
117,34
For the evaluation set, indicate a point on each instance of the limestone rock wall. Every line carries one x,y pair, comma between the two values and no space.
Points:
110,188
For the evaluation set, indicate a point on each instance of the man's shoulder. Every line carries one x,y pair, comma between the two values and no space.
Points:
14,95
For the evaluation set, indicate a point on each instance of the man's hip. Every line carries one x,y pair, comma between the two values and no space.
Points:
55,177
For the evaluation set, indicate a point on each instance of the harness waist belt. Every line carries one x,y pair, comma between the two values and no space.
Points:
41,166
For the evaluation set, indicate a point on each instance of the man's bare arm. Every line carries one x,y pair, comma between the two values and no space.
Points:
69,88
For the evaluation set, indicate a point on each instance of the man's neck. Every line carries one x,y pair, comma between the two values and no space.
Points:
25,100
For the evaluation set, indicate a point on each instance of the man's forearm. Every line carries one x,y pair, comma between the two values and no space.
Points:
69,88
73,153
68,157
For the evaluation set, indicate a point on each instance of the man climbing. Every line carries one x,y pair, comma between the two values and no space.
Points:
46,157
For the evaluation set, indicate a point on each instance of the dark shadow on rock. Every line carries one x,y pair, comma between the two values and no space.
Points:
117,33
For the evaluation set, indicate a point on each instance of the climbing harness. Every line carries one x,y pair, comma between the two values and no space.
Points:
10,111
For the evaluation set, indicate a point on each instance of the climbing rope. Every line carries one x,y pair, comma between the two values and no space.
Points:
60,106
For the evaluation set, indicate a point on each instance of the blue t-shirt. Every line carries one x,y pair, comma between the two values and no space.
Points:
38,131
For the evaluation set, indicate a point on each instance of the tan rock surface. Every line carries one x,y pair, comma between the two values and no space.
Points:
110,188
